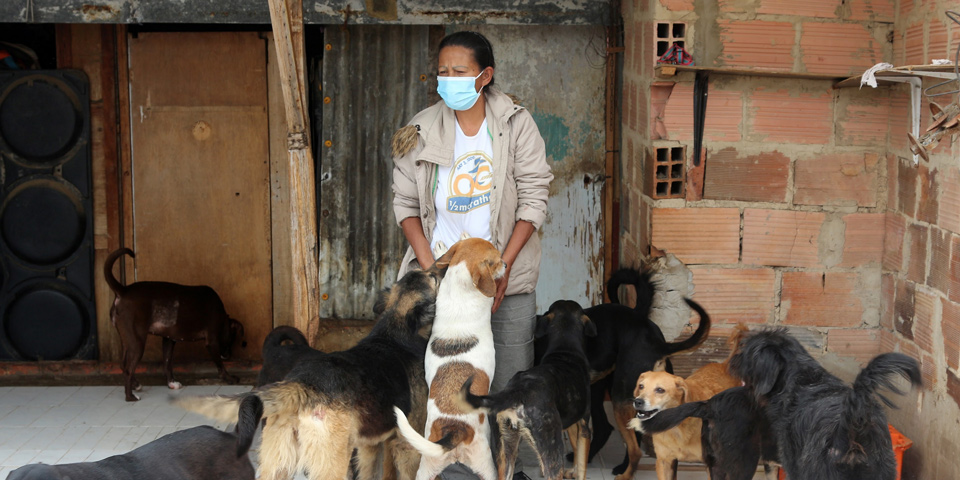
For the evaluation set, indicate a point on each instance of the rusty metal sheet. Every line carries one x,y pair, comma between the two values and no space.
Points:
552,12
558,72
375,78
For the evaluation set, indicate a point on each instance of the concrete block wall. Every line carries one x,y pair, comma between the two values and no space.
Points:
813,215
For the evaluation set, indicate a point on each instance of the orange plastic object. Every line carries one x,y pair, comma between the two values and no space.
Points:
900,445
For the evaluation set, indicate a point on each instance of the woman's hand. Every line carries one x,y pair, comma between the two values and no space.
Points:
501,288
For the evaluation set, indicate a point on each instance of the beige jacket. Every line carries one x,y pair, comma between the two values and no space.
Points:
521,177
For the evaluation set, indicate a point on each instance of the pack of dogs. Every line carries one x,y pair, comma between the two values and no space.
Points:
401,405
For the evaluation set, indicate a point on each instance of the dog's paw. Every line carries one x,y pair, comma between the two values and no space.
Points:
439,249
569,473
174,385
464,236
133,397
635,424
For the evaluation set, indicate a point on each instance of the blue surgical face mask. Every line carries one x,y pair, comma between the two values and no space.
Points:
458,92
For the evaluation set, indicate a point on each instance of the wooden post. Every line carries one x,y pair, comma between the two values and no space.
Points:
286,17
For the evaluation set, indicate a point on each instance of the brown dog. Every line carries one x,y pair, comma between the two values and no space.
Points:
172,311
658,391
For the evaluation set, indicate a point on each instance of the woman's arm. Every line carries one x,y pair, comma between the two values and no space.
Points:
413,230
521,233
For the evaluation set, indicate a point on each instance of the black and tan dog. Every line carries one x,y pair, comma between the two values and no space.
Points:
333,403
825,429
282,349
172,311
540,403
628,343
198,453
735,435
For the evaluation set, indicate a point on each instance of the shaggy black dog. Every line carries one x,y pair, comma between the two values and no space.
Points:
282,349
825,429
735,434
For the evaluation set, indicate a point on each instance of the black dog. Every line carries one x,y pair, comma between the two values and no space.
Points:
332,403
540,403
198,453
735,434
172,311
826,430
280,357
628,343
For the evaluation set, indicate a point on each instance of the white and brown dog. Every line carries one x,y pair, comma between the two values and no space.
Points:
460,347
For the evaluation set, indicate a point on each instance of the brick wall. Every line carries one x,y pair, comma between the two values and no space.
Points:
812,215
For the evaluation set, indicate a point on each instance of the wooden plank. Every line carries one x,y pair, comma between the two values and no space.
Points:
279,195
286,17
201,175
126,269
611,185
671,70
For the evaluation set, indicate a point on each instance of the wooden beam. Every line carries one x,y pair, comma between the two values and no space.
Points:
286,17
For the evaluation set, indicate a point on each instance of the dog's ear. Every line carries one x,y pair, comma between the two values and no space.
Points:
682,388
589,328
660,366
483,279
543,325
766,369
381,303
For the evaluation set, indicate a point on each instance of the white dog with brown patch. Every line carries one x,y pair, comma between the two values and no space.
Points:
460,347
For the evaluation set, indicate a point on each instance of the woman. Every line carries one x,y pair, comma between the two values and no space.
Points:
475,163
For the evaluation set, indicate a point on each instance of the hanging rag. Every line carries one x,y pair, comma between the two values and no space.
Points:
869,77
676,55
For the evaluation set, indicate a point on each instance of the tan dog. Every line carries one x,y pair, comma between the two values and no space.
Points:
657,391
460,347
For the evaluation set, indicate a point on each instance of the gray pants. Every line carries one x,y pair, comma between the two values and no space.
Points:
513,325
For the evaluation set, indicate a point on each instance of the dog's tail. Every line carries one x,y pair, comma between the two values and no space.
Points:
878,374
251,411
282,398
642,282
450,438
669,418
469,403
112,281
699,335
733,341
277,336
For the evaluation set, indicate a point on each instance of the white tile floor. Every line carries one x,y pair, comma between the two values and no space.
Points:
86,424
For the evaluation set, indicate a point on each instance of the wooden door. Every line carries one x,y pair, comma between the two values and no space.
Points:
200,164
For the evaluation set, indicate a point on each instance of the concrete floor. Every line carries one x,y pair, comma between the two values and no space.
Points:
84,424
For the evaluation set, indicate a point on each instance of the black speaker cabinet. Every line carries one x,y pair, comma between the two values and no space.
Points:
46,217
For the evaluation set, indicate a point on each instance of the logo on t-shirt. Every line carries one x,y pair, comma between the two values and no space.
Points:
471,179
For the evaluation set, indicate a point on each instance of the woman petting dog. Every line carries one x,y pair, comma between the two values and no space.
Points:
475,164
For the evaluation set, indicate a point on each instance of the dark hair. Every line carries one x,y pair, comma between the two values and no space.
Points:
476,43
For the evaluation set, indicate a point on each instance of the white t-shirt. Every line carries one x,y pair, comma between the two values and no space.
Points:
462,198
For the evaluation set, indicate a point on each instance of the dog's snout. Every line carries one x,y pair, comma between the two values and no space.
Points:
638,403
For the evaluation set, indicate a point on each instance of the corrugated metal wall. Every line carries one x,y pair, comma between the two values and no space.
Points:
375,78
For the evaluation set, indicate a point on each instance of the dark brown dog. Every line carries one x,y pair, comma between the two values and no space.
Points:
172,311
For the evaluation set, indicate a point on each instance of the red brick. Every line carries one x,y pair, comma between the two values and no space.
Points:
734,295
892,183
863,239
872,10
640,112
939,275
949,206
838,48
750,178
783,116
928,372
917,262
821,299
809,8
840,179
888,292
954,293
698,235
860,343
953,386
722,121
863,125
906,7
781,237
913,45
889,341
677,114
659,95
923,321
644,228
677,5
756,44
907,174
904,309
894,232
937,42
951,332
899,120
929,193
